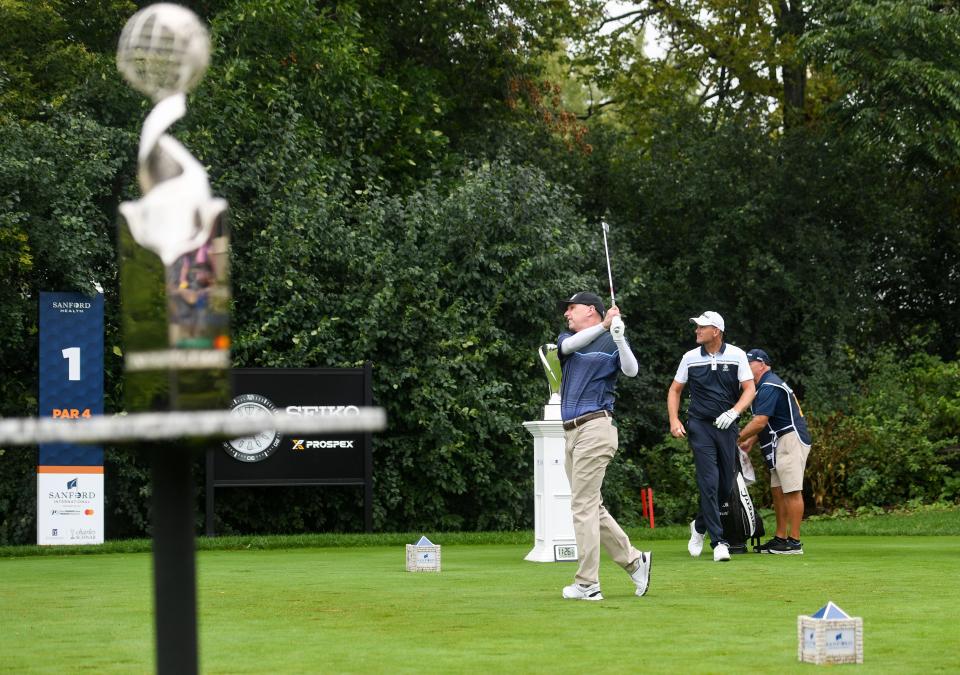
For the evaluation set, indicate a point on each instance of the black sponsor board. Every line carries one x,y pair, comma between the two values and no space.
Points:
271,459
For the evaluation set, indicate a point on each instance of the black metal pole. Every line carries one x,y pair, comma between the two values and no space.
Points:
174,562
209,510
368,451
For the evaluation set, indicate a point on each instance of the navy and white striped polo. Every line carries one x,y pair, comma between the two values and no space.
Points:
714,379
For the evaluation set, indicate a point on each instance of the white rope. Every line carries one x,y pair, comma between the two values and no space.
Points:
168,425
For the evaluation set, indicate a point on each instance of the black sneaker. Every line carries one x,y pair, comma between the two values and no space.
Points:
789,547
765,548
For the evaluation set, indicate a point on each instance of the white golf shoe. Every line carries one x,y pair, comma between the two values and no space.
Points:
641,575
721,553
581,592
695,545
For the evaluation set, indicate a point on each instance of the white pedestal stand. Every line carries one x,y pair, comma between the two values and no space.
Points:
553,523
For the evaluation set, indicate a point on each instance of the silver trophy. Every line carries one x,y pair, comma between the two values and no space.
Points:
550,360
163,52
175,295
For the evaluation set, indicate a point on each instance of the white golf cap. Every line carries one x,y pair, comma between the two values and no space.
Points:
708,319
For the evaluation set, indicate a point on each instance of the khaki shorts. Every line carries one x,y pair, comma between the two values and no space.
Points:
791,462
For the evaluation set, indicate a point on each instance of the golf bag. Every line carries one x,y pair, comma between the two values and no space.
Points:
742,525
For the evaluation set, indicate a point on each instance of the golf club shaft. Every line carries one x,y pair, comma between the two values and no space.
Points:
606,250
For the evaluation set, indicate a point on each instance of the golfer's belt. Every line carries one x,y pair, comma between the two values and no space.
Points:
578,421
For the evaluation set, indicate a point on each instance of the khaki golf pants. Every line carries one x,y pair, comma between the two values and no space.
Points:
589,448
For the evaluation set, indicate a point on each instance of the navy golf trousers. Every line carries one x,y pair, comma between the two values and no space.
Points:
714,455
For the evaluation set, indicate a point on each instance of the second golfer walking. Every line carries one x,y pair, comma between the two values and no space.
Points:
721,387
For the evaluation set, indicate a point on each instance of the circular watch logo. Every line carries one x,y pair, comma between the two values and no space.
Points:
260,446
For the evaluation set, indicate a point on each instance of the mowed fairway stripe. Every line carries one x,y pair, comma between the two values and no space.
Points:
356,610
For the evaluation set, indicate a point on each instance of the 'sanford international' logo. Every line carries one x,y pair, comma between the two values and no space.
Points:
253,448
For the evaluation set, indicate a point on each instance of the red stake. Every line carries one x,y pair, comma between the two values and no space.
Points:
650,497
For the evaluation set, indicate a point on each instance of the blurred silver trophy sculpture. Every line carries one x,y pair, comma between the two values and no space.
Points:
163,52
175,295
177,338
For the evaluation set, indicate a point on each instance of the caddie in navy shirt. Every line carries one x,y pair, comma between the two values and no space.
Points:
781,429
593,352
721,387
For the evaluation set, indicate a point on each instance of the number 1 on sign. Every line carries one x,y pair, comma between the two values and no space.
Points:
72,355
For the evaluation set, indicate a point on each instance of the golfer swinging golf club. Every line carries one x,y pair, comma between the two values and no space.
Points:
593,352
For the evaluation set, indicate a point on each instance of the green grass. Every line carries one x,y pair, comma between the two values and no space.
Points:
342,608
935,519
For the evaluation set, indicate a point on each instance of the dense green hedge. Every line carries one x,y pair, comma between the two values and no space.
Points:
898,440
448,295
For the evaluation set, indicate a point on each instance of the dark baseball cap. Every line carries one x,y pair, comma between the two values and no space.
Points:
583,298
759,355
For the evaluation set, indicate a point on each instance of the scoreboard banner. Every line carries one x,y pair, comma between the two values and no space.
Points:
70,476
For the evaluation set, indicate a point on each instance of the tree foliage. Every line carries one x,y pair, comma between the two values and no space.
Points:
409,183
895,66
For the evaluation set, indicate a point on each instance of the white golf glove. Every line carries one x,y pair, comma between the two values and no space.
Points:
726,419
617,329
